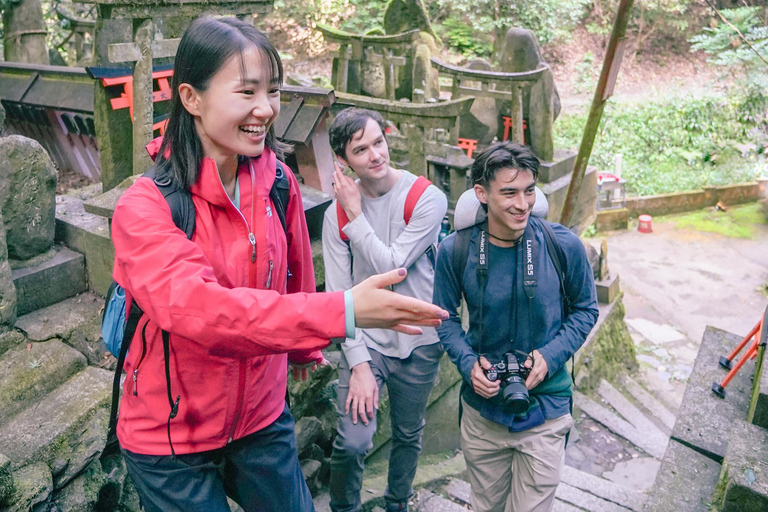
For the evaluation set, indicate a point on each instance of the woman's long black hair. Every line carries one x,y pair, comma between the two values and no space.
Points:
206,46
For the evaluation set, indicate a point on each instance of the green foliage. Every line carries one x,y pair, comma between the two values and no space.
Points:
462,38
727,50
586,74
682,144
550,20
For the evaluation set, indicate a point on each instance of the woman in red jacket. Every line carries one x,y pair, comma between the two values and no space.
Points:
236,299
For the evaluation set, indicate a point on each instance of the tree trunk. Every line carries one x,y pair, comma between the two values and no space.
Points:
24,32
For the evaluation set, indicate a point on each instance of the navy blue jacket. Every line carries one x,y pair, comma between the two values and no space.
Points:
511,319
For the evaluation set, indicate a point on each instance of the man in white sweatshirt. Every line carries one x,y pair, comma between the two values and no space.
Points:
386,219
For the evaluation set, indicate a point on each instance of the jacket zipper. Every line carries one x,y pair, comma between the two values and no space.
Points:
269,276
251,236
240,392
141,358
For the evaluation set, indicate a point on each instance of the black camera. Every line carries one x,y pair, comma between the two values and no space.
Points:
512,375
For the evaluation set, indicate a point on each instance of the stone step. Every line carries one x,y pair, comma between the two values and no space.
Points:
628,410
51,281
77,321
585,500
685,481
650,442
647,400
744,469
704,420
66,429
603,488
30,372
427,501
569,497
88,234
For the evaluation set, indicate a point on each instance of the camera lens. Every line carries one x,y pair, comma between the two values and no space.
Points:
516,395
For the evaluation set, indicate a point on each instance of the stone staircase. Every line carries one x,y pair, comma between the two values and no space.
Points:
716,457
54,398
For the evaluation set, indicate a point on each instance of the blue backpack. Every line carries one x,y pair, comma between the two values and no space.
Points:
116,326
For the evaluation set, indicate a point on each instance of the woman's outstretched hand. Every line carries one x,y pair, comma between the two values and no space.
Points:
377,307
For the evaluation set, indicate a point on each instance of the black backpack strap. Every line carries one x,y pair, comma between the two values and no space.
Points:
558,260
179,200
279,193
130,328
460,254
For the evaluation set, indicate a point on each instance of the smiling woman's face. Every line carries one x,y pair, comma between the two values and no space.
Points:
233,115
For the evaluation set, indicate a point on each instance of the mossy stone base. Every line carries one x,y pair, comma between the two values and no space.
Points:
608,351
746,476
32,489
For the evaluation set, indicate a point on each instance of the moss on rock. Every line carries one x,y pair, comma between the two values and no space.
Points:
609,352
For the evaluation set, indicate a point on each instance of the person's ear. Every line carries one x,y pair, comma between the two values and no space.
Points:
190,99
342,162
481,194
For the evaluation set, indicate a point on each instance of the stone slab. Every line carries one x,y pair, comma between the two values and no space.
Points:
49,431
704,420
607,289
630,412
561,165
427,501
603,488
62,318
655,333
459,490
648,401
10,339
653,445
50,282
585,500
612,220
746,469
760,413
88,234
561,506
636,474
26,374
685,482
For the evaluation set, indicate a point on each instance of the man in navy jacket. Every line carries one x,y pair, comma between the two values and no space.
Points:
517,305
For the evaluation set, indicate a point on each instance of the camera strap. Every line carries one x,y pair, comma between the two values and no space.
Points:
528,268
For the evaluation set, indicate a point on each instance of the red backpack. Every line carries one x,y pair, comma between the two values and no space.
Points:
417,189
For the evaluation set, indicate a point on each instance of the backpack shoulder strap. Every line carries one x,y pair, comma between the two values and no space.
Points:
279,194
460,254
558,260
180,202
343,220
414,194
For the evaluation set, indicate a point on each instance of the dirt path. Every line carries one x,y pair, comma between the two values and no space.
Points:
677,280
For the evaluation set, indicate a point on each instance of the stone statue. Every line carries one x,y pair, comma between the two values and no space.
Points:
541,103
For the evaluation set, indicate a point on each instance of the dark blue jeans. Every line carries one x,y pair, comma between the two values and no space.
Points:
260,472
409,382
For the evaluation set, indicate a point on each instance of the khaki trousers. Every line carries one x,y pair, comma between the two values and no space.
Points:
513,471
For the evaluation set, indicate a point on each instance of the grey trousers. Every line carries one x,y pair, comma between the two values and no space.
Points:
409,382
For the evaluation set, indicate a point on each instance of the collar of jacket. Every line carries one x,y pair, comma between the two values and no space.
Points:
208,185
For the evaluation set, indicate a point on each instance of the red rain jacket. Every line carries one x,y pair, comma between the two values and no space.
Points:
223,301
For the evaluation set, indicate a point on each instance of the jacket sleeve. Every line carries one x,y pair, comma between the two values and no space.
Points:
174,284
447,295
418,235
300,265
338,276
580,288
